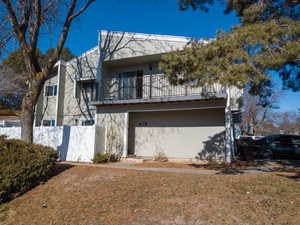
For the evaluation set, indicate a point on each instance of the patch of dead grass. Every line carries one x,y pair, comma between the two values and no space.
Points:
86,195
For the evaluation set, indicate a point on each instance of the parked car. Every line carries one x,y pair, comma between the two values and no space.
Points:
277,146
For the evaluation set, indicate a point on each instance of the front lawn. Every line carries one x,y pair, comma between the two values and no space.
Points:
91,195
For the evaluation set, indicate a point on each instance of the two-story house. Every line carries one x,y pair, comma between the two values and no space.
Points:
118,85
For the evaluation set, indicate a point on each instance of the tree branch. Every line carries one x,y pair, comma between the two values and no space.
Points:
36,26
15,24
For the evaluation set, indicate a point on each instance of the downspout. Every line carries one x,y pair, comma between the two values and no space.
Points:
58,90
99,68
228,128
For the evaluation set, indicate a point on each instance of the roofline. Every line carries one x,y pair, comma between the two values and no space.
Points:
153,36
82,55
142,36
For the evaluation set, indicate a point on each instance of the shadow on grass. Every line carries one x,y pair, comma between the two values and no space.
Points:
59,168
239,167
56,170
289,166
235,167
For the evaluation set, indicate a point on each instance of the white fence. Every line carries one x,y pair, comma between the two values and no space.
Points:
74,143
10,123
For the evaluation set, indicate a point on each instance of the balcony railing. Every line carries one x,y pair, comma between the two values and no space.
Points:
154,87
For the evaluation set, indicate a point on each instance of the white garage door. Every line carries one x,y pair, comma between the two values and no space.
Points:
187,134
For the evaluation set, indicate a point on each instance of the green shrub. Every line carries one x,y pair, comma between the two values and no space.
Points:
23,166
105,158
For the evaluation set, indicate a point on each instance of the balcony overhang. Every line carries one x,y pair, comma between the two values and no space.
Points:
85,79
133,60
107,102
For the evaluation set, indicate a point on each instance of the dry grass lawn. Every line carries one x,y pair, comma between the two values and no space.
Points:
90,195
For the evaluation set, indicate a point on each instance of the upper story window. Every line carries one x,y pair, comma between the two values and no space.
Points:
86,91
51,90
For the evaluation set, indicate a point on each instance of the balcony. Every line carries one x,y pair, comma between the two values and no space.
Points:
85,78
151,89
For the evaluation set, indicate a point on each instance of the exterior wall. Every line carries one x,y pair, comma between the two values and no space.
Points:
134,44
119,128
144,66
199,104
75,109
46,106
115,126
61,94
117,52
187,134
236,98
120,52
73,143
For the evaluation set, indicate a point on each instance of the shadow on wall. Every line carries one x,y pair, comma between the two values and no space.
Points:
63,148
214,148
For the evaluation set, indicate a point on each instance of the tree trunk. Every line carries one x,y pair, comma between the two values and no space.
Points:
27,118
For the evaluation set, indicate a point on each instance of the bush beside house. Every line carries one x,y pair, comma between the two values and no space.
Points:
105,158
23,166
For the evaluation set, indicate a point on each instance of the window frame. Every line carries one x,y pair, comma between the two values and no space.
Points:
51,90
48,123
86,122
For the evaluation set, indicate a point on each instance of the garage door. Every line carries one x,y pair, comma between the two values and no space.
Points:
178,134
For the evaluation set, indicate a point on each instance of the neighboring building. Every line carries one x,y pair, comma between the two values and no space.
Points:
9,118
118,85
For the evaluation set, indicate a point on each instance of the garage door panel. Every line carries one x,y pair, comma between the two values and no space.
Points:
183,142
177,134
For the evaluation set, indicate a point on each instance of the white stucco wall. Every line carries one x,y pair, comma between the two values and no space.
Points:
76,143
136,44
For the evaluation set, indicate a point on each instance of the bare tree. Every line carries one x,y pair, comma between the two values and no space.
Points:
256,111
287,122
24,20
11,82
12,88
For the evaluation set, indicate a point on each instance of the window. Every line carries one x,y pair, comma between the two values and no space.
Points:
51,90
88,122
86,91
48,123
282,142
131,85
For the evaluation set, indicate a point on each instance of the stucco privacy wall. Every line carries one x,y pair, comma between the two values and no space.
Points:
76,143
115,128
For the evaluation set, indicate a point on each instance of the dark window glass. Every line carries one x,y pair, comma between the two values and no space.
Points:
48,123
87,90
282,142
51,90
88,122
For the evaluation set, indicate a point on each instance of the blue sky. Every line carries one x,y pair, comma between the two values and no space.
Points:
156,17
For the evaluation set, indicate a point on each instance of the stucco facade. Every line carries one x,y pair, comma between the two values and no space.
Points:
118,86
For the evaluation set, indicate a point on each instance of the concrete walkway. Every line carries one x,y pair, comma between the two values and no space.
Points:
130,166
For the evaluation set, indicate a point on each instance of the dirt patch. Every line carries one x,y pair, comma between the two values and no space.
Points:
237,165
84,177
90,195
279,166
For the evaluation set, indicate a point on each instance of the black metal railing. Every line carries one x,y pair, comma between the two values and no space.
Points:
153,86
